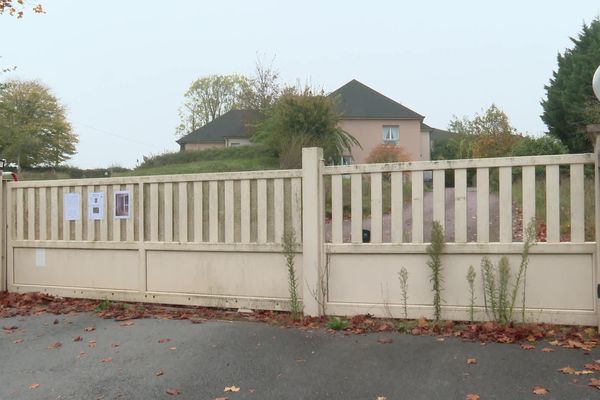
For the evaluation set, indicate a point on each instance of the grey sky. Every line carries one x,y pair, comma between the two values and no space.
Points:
121,67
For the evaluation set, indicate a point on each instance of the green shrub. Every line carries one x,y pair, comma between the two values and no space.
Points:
337,324
183,157
538,146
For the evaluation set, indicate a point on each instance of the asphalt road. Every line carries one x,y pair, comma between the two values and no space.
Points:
266,362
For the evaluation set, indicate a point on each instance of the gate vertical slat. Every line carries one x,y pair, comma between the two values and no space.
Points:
278,212
91,224
154,212
31,214
356,208
54,213
198,215
397,208
104,221
552,204
79,222
20,230
417,206
261,213
376,208
229,212
460,205
133,211
213,210
168,212
528,197
483,205
43,214
296,193
245,211
116,223
577,204
505,204
182,212
337,209
439,197
66,223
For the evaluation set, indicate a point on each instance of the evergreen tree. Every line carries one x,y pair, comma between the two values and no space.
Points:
570,104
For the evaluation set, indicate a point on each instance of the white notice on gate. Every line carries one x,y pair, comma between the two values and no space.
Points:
96,205
40,257
72,206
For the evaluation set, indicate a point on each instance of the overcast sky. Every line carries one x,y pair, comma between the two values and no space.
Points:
121,67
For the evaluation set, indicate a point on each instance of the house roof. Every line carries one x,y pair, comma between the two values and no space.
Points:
434,132
232,124
357,100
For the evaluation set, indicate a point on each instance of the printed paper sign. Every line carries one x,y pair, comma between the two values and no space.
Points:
122,204
72,206
96,205
40,257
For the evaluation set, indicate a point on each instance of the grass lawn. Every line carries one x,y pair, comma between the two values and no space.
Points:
224,165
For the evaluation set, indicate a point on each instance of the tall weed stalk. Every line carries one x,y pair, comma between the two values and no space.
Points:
471,275
289,252
403,276
434,250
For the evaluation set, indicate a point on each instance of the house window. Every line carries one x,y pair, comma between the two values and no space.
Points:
233,144
390,134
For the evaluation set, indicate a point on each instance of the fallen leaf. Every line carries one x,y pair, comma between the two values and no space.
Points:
221,398
422,323
173,392
547,350
384,340
19,341
554,343
106,360
89,329
92,343
440,339
584,372
126,323
540,391
55,322
567,370
472,397
77,339
82,354
10,328
594,382
159,373
173,348
164,340
594,367
114,344
231,389
471,361
381,398
526,346
34,386
55,345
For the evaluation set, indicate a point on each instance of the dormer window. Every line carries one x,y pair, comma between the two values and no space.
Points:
390,134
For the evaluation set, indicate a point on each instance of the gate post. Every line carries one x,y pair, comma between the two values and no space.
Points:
594,131
3,233
313,218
